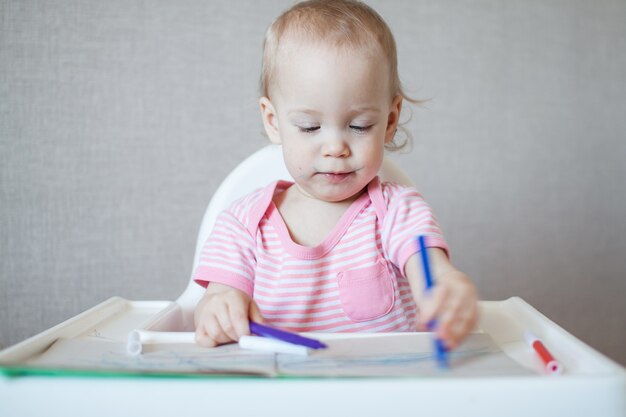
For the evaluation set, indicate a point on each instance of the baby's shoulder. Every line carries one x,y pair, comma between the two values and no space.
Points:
249,208
393,191
247,201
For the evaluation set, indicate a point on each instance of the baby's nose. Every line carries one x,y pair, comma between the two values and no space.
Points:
335,146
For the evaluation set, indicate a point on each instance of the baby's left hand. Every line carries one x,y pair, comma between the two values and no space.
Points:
453,304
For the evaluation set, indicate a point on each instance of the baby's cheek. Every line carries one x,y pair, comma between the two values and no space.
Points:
299,172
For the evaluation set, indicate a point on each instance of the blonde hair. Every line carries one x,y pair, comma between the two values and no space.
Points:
343,24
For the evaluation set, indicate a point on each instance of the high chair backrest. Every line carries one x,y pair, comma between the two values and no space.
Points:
257,170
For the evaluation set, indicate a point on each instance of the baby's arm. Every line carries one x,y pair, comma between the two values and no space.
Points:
453,301
223,314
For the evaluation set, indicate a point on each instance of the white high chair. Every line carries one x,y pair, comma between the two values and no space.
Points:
259,169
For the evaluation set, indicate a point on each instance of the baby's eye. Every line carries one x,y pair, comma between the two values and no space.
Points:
360,129
309,129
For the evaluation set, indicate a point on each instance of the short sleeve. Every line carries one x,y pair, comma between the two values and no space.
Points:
228,255
407,217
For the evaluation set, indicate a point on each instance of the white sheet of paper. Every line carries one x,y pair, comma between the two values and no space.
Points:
397,354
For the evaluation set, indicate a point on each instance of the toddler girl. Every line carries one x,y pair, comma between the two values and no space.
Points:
334,250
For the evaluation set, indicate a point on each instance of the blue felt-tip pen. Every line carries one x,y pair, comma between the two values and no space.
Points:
274,333
441,352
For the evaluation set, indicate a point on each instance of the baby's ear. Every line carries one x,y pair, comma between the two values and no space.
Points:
270,120
393,118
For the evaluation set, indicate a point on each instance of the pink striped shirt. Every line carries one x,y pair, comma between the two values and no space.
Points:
351,282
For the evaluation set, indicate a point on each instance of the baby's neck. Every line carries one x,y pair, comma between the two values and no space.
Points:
309,219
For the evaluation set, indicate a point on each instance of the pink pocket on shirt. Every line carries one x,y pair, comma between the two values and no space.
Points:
366,293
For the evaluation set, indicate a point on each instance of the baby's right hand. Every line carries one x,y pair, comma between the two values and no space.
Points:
223,314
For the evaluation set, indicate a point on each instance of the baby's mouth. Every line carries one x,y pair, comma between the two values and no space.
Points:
336,177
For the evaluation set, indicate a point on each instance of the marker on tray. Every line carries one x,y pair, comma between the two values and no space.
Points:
440,349
137,338
551,365
285,336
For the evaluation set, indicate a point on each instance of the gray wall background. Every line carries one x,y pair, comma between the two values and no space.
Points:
119,119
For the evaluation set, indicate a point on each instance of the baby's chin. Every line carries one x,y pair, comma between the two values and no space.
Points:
332,194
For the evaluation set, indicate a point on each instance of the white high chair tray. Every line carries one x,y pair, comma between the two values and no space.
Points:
591,385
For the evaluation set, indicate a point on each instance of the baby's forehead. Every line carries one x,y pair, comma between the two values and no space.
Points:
322,70
298,39
314,63
296,46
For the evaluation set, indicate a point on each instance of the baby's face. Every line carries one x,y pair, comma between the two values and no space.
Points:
333,113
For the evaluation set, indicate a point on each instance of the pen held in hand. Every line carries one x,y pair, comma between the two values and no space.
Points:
441,352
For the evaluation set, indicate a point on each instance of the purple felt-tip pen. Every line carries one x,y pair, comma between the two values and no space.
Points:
285,336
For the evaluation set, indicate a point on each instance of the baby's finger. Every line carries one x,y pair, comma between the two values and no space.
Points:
204,340
452,333
466,322
210,334
255,312
216,333
432,304
457,320
225,323
238,312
